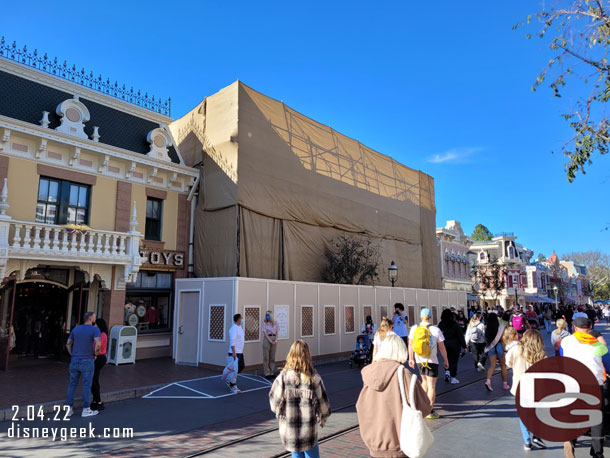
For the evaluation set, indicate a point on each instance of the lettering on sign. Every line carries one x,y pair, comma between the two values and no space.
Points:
171,259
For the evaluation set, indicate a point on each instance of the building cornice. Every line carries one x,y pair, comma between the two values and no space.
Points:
96,147
73,88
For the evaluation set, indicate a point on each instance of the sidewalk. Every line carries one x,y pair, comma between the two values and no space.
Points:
47,381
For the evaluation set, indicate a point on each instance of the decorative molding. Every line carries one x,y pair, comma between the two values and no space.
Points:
96,134
91,146
74,114
31,61
130,171
104,164
159,140
42,149
154,173
6,136
44,122
74,157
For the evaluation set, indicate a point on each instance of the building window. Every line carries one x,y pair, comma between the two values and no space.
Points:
252,323
349,319
62,202
329,320
306,321
154,213
149,304
383,311
482,256
216,323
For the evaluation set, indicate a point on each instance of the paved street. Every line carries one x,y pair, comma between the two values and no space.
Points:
474,423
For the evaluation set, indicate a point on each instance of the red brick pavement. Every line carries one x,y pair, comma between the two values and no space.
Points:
38,381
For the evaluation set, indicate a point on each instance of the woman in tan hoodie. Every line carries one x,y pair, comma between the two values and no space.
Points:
379,405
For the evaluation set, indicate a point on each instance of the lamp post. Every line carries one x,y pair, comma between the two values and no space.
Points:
555,289
393,273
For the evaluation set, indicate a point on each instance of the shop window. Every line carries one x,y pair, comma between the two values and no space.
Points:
62,202
252,323
349,319
329,320
383,311
216,323
306,321
367,311
149,304
154,213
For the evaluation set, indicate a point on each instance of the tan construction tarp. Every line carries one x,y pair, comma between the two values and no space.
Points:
291,185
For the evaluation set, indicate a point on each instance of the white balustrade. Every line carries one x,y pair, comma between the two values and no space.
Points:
52,239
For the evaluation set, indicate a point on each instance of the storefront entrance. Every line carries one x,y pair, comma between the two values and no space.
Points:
39,317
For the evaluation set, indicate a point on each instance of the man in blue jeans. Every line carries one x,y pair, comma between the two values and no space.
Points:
83,345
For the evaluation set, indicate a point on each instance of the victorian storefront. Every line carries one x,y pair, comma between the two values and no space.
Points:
94,209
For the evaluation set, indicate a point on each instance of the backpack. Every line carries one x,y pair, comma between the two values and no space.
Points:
475,334
421,343
518,322
558,343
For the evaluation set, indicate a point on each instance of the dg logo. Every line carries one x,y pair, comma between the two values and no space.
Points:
559,399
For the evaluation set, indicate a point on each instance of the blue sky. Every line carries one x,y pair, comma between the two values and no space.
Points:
444,89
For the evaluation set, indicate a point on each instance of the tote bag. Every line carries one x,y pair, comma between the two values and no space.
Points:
415,436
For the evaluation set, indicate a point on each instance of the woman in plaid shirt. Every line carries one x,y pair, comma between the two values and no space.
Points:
298,399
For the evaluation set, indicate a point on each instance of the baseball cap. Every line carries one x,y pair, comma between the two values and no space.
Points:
582,322
425,312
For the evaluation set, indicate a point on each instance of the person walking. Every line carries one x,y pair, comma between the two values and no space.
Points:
559,334
606,313
298,399
424,342
495,350
385,329
454,343
83,345
520,322
521,355
401,322
475,337
461,320
585,348
99,363
379,405
236,349
270,332
548,319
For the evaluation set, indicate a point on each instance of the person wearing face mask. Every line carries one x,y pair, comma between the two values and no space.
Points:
270,332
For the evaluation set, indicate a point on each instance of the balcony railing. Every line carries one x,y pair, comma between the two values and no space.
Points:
48,239
25,240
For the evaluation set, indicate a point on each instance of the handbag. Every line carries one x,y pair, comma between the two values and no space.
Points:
415,436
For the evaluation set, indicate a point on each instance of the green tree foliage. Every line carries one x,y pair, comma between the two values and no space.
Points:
598,270
481,234
541,258
351,260
578,33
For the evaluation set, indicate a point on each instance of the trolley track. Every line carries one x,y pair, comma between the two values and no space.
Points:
329,437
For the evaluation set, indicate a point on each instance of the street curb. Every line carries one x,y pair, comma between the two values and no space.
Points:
120,395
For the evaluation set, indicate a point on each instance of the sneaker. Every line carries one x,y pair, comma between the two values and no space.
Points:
454,381
235,390
480,366
87,412
488,385
97,406
70,412
506,386
538,442
433,415
527,447
447,376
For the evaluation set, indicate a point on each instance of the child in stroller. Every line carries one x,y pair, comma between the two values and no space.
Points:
361,354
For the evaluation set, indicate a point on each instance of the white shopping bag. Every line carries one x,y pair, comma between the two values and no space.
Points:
230,371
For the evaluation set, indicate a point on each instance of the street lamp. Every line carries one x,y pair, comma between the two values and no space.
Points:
393,273
555,289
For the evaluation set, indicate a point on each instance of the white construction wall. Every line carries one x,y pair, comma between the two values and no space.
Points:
326,316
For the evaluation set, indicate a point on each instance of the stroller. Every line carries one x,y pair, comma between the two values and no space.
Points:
361,355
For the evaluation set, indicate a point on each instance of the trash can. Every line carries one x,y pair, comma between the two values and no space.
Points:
123,341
